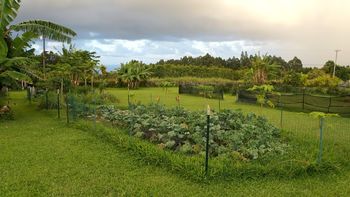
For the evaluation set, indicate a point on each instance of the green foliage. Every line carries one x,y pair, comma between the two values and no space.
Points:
322,115
261,94
48,101
12,48
3,48
295,64
263,69
15,75
175,81
47,29
97,98
14,69
174,71
133,72
21,43
207,91
8,12
324,81
251,136
295,79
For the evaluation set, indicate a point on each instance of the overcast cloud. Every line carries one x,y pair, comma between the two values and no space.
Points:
148,30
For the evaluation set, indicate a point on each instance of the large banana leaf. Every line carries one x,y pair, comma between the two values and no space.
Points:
8,12
16,76
20,43
47,29
3,48
7,63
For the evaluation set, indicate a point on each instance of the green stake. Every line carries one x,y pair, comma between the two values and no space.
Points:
321,140
58,104
207,142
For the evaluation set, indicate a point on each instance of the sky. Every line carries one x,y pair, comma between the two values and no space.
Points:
150,30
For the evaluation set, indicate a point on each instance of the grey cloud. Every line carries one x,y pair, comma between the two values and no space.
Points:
153,19
309,29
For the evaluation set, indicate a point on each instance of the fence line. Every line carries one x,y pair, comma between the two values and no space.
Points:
303,102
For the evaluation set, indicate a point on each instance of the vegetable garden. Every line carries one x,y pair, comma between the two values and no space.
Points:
268,142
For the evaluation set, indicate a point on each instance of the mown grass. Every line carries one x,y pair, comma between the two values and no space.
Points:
41,156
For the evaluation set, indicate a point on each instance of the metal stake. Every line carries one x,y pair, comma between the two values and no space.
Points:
207,142
321,140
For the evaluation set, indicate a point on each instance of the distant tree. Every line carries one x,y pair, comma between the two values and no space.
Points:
295,79
133,73
245,61
262,69
341,72
295,64
233,63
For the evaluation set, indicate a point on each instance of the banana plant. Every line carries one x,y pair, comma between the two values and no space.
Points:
8,12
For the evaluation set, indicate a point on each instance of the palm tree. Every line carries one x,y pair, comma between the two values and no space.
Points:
46,29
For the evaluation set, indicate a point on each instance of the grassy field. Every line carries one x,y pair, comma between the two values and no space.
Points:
42,156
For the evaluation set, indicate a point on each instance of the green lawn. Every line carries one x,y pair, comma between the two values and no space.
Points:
42,156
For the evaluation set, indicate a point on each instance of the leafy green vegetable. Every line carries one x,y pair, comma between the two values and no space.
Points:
179,130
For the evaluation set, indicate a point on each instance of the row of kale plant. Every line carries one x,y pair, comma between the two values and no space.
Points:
249,137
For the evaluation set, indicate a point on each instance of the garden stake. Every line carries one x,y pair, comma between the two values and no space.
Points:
329,104
67,108
47,99
281,120
28,94
303,98
321,140
94,108
58,104
207,142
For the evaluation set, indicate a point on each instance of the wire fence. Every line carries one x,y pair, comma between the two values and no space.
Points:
201,90
302,102
313,138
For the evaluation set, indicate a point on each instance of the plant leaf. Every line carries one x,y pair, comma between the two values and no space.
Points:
16,76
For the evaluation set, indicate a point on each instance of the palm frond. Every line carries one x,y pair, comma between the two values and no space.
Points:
47,29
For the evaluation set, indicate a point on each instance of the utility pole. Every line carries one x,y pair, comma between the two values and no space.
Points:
335,62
